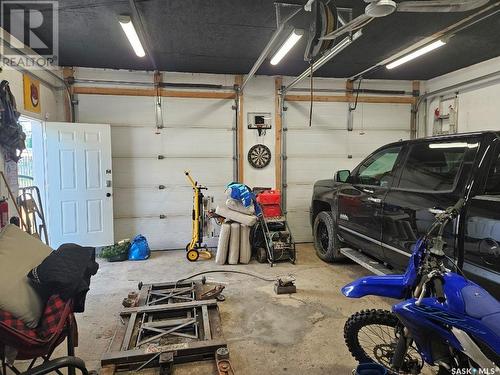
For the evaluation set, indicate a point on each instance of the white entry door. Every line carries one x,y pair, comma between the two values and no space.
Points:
79,184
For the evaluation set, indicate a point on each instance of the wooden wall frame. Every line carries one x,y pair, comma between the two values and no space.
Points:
240,139
278,83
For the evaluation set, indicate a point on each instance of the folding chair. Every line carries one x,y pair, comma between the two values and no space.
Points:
57,323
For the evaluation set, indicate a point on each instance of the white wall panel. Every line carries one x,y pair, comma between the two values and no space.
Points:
117,110
139,172
382,116
478,107
316,152
198,136
152,202
325,115
200,112
130,142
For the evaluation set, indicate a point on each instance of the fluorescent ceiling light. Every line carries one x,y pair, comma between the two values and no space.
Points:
454,145
419,52
131,33
287,46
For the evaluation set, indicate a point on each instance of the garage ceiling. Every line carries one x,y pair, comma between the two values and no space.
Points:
227,36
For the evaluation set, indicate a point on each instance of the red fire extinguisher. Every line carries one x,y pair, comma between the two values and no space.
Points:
4,212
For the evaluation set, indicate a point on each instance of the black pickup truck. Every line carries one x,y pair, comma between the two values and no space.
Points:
389,200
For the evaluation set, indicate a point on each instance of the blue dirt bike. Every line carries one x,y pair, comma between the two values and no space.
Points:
445,320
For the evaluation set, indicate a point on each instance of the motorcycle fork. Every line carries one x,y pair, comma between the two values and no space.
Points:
402,346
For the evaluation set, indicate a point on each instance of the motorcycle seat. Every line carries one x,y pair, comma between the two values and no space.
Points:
479,303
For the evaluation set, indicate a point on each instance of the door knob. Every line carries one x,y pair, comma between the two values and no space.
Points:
108,195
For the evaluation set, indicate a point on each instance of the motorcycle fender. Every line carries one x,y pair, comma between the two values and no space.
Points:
392,286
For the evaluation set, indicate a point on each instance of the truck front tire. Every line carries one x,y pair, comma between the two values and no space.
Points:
326,242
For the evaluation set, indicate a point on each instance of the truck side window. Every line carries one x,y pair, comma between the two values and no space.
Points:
434,166
376,170
493,181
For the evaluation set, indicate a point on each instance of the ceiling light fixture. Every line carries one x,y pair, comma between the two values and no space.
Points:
131,33
454,145
292,39
413,55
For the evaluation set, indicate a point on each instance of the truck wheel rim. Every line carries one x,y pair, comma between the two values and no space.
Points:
323,237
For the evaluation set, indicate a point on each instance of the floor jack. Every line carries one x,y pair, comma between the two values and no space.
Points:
195,249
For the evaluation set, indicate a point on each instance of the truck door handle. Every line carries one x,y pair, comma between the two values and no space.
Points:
436,211
374,200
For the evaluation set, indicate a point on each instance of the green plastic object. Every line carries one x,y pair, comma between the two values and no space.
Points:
117,252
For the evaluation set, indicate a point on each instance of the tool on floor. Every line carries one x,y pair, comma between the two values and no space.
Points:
222,359
285,285
195,249
131,300
215,292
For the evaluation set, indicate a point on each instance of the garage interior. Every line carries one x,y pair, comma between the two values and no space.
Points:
119,103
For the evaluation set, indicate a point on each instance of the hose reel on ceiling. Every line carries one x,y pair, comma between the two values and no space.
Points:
324,21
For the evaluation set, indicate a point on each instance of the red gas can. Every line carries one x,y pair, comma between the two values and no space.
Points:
4,213
269,197
270,201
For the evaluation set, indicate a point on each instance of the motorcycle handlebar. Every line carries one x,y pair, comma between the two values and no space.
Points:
456,208
443,218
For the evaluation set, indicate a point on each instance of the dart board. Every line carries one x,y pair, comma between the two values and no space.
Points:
259,156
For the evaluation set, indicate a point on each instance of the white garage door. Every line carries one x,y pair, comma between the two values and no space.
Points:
316,152
198,136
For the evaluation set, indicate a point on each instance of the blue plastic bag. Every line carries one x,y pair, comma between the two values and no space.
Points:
244,194
241,193
139,248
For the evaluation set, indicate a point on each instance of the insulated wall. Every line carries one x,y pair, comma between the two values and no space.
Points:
197,136
477,104
316,152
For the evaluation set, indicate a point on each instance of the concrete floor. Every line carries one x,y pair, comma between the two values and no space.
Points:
267,334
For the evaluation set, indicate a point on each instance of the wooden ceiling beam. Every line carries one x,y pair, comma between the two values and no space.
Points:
198,94
119,91
348,98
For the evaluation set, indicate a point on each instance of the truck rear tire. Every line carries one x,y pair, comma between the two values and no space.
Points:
326,242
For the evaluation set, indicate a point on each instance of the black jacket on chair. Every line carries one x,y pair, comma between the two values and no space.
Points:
66,272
